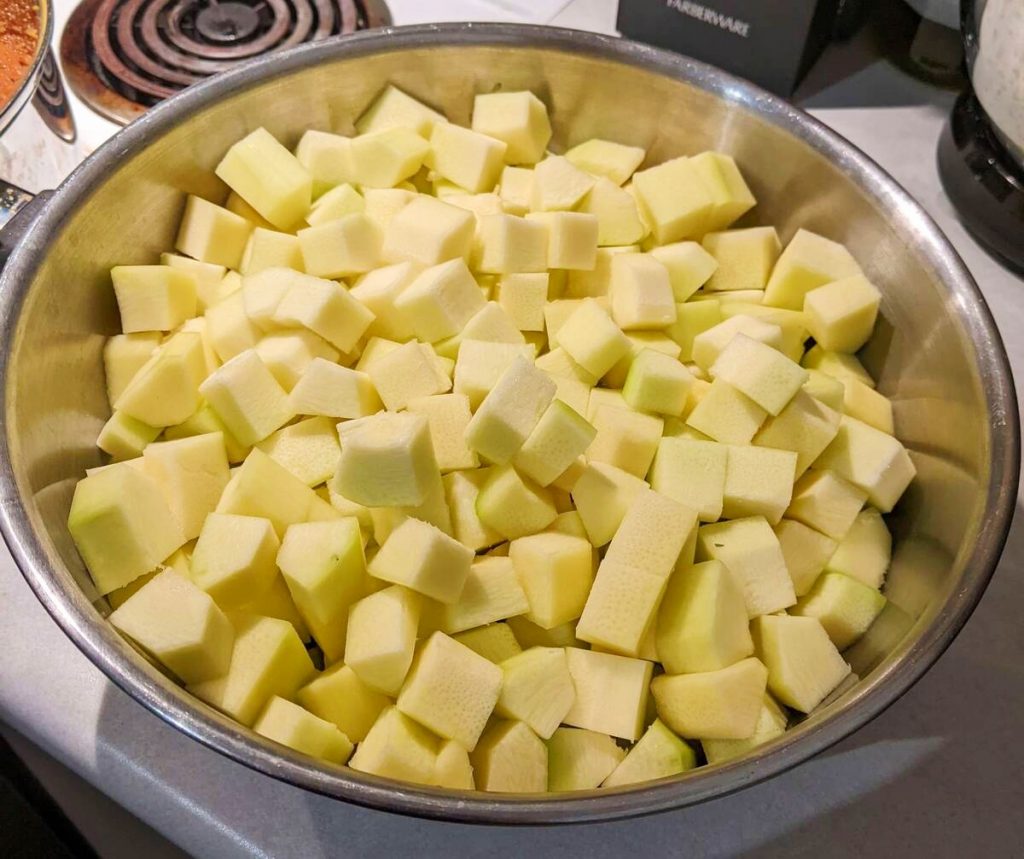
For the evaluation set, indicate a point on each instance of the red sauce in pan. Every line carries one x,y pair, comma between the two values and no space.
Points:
19,38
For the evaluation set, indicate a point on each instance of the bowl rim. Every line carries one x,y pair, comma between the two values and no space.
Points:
103,647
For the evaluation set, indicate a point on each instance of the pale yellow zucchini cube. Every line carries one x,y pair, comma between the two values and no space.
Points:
674,200
844,606
803,664
334,204
805,551
341,698
341,248
824,501
641,293
732,197
247,398
124,437
178,625
864,553
580,760
271,249
427,231
809,261
870,459
657,754
424,559
494,641
592,339
192,473
556,572
771,723
234,558
611,693
153,297
387,157
751,551
760,372
387,461
382,636
805,426
758,482
838,365
461,491
448,416
327,158
507,243
625,438
288,354
722,705
326,309
166,389
519,119
618,218
469,159
689,267
268,659
726,415
841,315
510,758
867,405
309,449
406,373
559,437
745,258
268,177
692,319
123,356
291,725
710,343
536,689
399,748
513,505
328,389
657,383
558,185
523,298
211,233
440,301
603,494
571,238
396,109
616,161
491,593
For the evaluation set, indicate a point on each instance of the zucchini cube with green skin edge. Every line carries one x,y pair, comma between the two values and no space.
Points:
655,341
297,728
212,234
579,759
122,525
268,177
510,758
397,747
745,258
560,436
657,383
618,218
235,558
771,723
451,690
247,398
765,375
693,473
424,559
844,606
611,692
323,566
808,261
387,461
871,460
461,491
153,297
510,412
491,593
556,572
519,119
425,231
864,553
493,641
803,664
751,551
268,659
166,389
338,696
657,754
178,625
702,621
513,505
381,637
724,704
124,437
806,552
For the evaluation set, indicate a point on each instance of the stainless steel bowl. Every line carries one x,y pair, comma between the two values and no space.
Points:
936,353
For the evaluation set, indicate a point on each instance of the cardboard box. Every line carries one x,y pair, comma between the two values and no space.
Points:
770,42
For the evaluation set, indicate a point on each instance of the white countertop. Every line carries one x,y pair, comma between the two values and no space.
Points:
936,775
